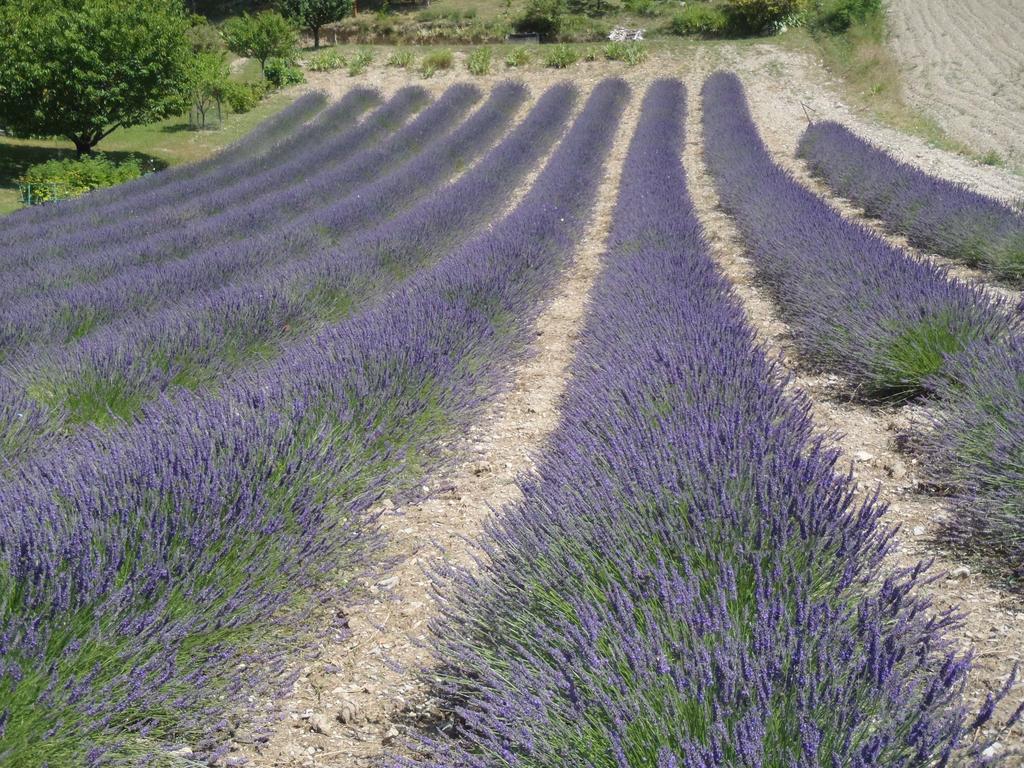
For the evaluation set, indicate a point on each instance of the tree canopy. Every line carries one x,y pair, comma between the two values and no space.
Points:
261,36
314,14
209,83
83,68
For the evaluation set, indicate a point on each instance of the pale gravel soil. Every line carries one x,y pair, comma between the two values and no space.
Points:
786,88
963,62
355,701
372,678
779,112
867,435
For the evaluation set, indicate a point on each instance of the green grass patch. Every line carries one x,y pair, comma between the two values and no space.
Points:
435,61
155,146
479,61
561,56
917,352
519,56
401,58
358,64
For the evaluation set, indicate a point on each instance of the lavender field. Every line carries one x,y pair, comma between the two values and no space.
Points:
231,392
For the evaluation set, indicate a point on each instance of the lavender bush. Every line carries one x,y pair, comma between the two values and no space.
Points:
978,450
27,224
327,142
140,567
890,323
856,305
59,316
941,216
111,373
687,580
82,255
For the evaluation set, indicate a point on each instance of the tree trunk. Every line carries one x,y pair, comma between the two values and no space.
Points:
83,144
316,38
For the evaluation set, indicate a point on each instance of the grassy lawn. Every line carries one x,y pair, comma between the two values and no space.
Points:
157,145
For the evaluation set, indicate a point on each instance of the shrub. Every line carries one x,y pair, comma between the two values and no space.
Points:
935,214
56,179
590,8
280,74
358,63
401,58
204,37
518,57
977,449
542,17
582,29
856,304
262,37
837,16
435,60
755,16
325,61
562,56
479,61
641,7
721,602
243,97
708,20
630,52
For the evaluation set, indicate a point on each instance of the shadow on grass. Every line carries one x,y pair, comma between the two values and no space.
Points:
16,159
176,128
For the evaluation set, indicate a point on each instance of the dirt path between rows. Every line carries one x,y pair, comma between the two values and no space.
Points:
866,435
781,119
354,702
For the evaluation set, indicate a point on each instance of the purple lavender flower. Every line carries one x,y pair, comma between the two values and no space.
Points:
856,304
935,214
687,580
180,547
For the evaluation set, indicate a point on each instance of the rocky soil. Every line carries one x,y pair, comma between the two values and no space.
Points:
355,702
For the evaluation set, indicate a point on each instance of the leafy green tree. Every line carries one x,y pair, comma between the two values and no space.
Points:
755,16
314,14
204,37
265,35
544,17
83,68
209,85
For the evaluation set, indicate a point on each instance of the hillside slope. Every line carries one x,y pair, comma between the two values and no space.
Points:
964,64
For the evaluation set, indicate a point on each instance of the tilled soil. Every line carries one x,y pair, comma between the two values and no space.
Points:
354,703
963,63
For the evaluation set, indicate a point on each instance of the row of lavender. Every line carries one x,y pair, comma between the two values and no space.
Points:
148,571
687,580
100,225
69,282
207,334
940,215
238,207
890,323
256,145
